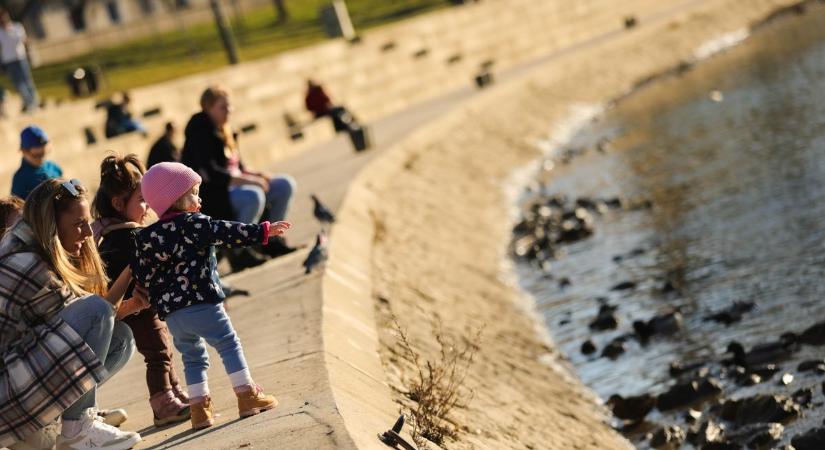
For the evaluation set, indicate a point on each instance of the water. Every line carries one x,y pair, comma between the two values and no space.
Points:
738,193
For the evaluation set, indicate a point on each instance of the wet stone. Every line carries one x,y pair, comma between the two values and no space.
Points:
757,435
692,415
723,446
731,314
605,321
688,393
816,365
762,354
678,367
767,371
760,409
671,436
814,335
804,397
631,408
586,203
811,440
667,287
588,347
614,202
750,379
706,432
666,324
615,348
624,286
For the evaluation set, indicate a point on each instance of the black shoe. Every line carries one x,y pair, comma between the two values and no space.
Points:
229,291
276,247
244,258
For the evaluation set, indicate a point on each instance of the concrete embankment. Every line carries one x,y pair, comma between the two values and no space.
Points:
435,218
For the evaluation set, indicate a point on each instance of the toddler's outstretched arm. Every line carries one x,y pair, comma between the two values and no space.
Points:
230,234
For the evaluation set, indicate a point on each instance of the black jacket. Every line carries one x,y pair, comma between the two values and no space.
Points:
203,151
163,150
116,247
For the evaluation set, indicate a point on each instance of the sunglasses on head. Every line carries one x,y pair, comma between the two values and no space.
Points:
71,187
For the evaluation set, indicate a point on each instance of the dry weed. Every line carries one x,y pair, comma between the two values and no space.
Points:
438,386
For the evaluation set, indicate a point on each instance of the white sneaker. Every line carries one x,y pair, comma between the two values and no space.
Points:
95,434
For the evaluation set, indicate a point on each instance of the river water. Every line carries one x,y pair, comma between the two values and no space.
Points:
731,156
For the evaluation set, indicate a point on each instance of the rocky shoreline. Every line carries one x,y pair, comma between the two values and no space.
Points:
702,409
710,418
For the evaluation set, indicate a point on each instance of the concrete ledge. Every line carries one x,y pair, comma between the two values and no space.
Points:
349,333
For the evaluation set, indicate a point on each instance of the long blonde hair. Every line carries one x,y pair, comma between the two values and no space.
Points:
211,95
83,274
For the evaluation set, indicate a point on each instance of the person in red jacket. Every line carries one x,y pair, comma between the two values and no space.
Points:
319,104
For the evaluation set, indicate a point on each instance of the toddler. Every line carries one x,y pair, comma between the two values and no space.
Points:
175,260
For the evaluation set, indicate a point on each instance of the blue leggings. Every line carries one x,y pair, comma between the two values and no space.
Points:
197,325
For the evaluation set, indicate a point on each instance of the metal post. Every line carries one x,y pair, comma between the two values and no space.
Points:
225,31
280,8
347,30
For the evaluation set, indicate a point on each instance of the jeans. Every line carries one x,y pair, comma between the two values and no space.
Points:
249,200
93,319
208,322
21,77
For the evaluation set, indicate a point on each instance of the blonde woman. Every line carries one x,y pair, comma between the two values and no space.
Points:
230,190
59,337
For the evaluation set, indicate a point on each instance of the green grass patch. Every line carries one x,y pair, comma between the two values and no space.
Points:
198,48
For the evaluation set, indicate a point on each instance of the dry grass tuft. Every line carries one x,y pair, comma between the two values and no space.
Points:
438,385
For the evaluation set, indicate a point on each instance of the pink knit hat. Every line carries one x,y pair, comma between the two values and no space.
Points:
166,182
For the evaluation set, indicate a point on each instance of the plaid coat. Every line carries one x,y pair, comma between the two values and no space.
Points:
44,365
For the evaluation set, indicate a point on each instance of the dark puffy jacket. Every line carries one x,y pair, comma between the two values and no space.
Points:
203,151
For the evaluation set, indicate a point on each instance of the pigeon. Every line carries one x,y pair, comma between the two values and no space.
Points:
318,254
321,212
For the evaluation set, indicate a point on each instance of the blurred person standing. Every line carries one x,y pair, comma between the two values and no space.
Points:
15,60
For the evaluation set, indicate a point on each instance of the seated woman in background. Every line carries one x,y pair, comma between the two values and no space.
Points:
230,190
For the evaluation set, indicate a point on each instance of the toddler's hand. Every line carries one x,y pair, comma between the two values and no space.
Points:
278,228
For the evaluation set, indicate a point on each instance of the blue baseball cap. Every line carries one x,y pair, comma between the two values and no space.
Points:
33,136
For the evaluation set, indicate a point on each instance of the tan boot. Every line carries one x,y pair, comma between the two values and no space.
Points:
202,415
254,401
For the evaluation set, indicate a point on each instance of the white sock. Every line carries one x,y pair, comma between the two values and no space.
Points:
71,428
240,378
198,390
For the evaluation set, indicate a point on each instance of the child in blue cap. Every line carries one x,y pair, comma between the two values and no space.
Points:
34,168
